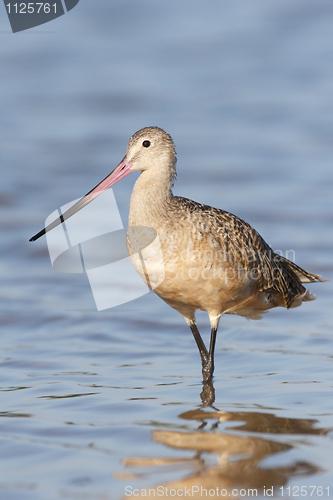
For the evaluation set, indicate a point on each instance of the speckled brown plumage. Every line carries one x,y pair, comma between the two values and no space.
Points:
244,246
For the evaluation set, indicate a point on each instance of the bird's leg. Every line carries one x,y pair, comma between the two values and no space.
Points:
208,367
200,343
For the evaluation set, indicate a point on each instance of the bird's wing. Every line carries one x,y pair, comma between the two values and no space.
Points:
243,245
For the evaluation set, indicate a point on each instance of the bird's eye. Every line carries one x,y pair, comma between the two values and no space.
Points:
146,144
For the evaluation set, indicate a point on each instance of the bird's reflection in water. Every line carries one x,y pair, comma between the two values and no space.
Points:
238,459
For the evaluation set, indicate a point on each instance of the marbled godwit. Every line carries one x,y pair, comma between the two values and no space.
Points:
213,261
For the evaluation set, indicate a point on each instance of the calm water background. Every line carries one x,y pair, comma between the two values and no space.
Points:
245,89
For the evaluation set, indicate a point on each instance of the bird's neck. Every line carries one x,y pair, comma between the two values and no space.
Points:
151,197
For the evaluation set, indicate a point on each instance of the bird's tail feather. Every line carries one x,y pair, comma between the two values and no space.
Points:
304,276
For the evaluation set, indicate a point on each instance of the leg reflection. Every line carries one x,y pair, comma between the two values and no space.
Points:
208,394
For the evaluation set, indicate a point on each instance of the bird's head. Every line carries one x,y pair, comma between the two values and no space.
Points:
150,149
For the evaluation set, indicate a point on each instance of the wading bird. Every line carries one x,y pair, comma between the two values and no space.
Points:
212,260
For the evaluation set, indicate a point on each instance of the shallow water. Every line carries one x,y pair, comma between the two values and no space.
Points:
94,402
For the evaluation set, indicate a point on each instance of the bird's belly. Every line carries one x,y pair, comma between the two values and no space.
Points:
217,293
198,285
206,288
186,275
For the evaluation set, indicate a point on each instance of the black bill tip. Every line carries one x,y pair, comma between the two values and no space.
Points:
38,235
53,224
